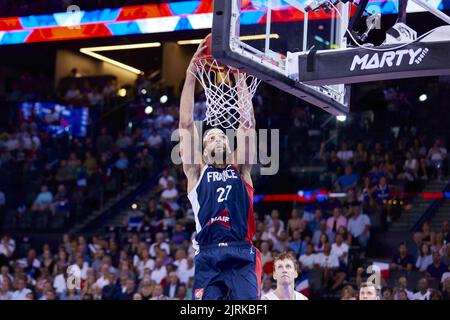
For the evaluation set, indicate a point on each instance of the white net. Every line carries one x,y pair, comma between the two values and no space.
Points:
228,93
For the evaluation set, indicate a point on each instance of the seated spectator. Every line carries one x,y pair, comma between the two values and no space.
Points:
446,231
128,291
297,245
425,258
314,224
320,246
43,200
294,222
73,94
336,221
437,268
122,162
160,243
307,260
387,294
410,168
344,154
266,254
7,248
348,293
359,226
402,289
436,157
61,200
328,263
424,292
281,242
155,140
164,180
169,197
171,288
266,286
347,181
22,290
402,260
158,293
179,235
382,194
159,272
185,272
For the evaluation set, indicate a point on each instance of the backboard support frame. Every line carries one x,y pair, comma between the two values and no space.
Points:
228,49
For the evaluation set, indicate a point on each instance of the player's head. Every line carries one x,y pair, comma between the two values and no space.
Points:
285,269
216,146
368,291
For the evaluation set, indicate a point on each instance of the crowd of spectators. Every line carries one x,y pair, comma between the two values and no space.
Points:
26,8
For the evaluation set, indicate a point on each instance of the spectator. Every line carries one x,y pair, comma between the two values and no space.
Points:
169,197
297,245
387,294
307,260
328,264
160,243
359,226
186,272
160,271
436,157
320,246
43,200
163,181
158,293
155,140
7,248
171,288
336,221
425,258
348,293
402,287
314,224
410,168
128,291
347,181
424,292
22,290
402,260
437,268
344,154
179,235
267,286
294,222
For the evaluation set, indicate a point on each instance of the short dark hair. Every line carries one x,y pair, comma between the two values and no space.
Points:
286,255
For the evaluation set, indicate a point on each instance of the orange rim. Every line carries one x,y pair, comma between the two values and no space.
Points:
220,68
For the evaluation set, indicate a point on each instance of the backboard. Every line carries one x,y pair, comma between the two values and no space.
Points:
265,38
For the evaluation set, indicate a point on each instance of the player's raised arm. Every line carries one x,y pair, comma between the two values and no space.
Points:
188,132
246,133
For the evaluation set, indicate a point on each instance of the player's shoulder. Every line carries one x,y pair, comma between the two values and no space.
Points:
299,296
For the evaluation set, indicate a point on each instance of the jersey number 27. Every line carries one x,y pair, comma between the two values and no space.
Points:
223,192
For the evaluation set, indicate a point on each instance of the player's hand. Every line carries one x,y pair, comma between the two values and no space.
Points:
198,53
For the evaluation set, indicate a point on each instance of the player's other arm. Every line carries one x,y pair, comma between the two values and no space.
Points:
246,134
188,133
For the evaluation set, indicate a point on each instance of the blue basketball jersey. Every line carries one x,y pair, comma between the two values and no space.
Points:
222,202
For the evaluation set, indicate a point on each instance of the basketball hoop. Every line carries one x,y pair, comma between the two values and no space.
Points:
228,93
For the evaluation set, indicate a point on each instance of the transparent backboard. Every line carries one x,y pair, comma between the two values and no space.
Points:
268,35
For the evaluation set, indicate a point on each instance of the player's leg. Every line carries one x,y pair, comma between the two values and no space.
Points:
244,278
209,282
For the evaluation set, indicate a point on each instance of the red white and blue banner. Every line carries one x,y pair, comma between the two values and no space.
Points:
156,18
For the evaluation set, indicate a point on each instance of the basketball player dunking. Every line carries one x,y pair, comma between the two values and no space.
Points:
285,271
227,265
